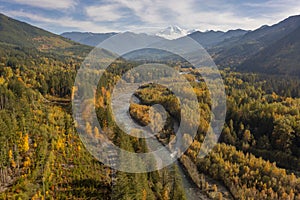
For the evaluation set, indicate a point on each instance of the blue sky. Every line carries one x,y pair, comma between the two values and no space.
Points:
143,15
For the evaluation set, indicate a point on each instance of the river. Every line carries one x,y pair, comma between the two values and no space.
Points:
120,105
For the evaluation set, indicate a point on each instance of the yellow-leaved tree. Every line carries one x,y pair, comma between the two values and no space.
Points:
24,142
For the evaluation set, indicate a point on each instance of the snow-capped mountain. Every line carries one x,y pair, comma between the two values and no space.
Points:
172,32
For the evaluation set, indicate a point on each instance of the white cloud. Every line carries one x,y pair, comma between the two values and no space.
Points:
139,14
65,22
48,4
183,13
102,13
215,14
151,12
276,9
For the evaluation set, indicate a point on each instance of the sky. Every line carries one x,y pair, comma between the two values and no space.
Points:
60,16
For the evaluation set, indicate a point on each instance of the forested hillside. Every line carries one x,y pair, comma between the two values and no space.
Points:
261,135
281,57
235,51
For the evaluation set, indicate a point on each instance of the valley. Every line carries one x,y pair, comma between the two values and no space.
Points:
43,151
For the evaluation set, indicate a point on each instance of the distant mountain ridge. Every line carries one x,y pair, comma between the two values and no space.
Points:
88,38
211,38
129,41
263,50
269,49
206,39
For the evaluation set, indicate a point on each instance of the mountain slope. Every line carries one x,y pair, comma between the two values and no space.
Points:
281,57
19,33
91,39
234,51
268,34
26,40
24,35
